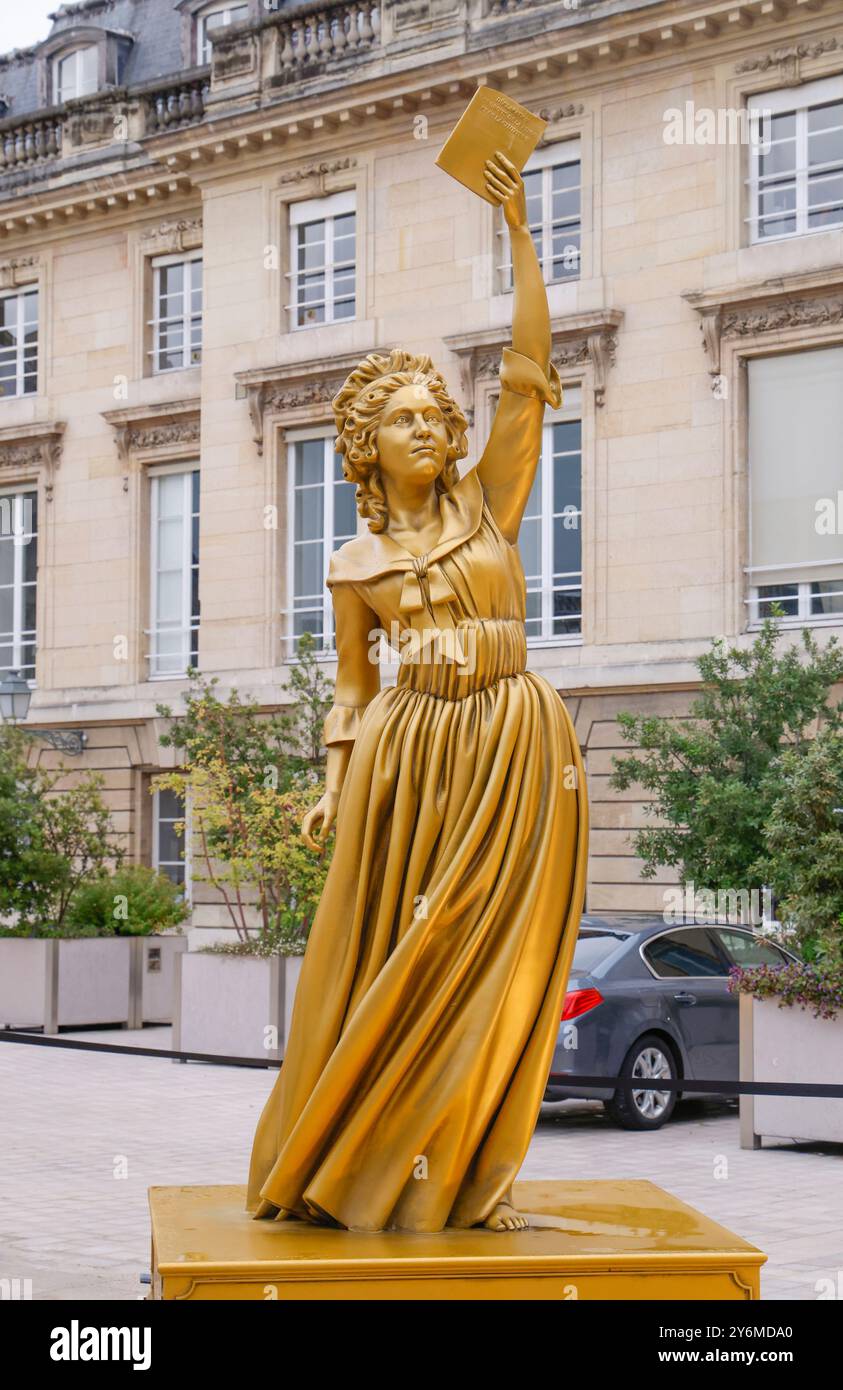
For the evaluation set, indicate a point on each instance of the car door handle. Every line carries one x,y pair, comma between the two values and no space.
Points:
685,998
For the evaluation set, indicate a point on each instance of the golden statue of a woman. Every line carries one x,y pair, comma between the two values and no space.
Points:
432,986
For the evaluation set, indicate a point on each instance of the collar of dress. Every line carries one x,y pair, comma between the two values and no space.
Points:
370,555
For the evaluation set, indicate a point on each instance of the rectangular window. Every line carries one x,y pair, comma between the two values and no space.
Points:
550,539
76,74
19,343
215,20
169,838
553,186
174,603
796,164
795,410
18,571
322,250
324,516
177,312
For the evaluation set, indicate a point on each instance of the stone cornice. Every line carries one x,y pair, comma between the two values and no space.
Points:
30,451
588,339
809,300
288,386
157,428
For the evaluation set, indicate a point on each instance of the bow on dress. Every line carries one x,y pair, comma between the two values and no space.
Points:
440,592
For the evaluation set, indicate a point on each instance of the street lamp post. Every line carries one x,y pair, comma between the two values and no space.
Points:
15,696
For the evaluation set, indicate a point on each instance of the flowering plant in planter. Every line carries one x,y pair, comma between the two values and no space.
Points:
800,984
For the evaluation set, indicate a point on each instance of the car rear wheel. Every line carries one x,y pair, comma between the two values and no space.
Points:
650,1059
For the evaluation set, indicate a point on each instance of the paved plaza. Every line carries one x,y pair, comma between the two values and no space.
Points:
85,1135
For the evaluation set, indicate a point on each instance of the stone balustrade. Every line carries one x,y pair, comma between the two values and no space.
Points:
29,142
178,104
327,34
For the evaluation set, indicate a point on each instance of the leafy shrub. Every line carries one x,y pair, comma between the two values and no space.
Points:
134,901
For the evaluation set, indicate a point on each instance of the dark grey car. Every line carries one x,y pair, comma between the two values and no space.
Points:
649,999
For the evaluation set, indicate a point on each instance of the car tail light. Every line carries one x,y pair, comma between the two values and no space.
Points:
579,1001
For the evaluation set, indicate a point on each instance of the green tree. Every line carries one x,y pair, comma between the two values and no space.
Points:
249,778
712,776
52,838
802,857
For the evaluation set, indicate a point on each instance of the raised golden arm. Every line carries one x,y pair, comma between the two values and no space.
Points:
508,463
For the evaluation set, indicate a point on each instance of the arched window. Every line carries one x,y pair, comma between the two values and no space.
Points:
75,74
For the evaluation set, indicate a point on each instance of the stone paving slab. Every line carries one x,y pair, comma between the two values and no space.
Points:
85,1135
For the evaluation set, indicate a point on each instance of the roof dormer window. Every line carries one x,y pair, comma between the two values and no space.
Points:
75,74
215,19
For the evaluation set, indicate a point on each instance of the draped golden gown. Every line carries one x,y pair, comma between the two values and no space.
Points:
435,973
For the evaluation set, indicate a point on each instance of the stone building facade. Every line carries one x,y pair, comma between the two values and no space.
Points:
210,211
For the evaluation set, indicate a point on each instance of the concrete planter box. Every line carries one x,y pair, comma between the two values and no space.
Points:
225,1004
789,1045
53,983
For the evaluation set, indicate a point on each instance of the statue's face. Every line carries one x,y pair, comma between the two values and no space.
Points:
412,439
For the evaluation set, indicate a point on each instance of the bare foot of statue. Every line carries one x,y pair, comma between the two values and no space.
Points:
506,1218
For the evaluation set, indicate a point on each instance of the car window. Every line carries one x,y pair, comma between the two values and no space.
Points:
592,950
686,951
745,948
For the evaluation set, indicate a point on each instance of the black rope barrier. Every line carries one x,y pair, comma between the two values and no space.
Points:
585,1083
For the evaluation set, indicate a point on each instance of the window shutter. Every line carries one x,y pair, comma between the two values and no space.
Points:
795,459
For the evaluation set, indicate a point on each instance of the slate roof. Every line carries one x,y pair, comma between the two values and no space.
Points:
154,25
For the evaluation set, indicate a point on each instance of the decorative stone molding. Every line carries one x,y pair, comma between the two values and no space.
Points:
31,451
415,14
233,57
20,270
96,124
798,313
788,59
168,238
581,340
560,113
798,301
309,171
281,389
156,432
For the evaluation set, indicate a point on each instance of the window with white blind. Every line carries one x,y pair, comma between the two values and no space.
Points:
18,571
170,824
212,21
176,321
323,255
796,167
795,455
76,74
174,571
19,343
553,187
550,538
323,513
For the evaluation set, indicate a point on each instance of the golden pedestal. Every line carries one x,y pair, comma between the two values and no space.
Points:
589,1240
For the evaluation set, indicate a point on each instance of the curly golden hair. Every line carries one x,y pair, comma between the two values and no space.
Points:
357,411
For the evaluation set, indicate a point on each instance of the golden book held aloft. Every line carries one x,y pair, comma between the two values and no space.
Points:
491,121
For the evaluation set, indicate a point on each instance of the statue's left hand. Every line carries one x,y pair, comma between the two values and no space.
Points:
317,823
506,186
